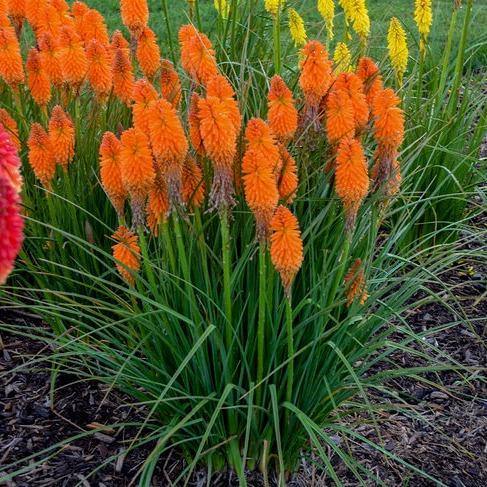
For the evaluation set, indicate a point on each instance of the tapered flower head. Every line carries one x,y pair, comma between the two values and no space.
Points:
259,177
12,225
41,157
110,173
340,120
50,57
369,73
127,254
11,69
193,188
9,160
288,178
219,87
170,83
135,15
355,283
222,7
352,85
62,136
93,27
274,6
282,114
297,28
357,15
37,78
11,128
286,246
118,41
316,72
36,14
423,17
99,73
148,53
398,48
197,54
388,119
72,56
143,95
123,76
137,170
351,178
158,206
17,12
327,10
342,58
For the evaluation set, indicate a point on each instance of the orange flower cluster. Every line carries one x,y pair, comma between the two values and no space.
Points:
99,73
135,15
170,83
143,95
286,246
148,52
38,79
41,157
369,73
62,137
127,254
282,113
11,69
123,76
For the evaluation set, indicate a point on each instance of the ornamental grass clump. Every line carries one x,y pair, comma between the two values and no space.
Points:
213,238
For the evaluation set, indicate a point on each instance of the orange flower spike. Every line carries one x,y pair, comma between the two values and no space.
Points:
118,41
92,26
148,53
62,136
127,254
36,14
197,54
351,178
135,15
41,158
11,69
369,73
170,83
110,174
288,180
220,87
193,188
137,170
123,77
194,125
261,140
282,114
78,10
316,73
53,23
37,78
17,12
388,119
355,283
50,58
340,120
143,95
99,72
158,206
72,56
10,125
351,84
286,246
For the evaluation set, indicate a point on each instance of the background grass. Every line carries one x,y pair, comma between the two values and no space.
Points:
380,12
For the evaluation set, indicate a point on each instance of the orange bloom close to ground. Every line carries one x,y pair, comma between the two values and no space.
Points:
355,283
286,246
99,73
351,178
143,95
127,254
123,76
37,78
282,114
148,53
137,171
62,136
110,174
197,54
135,15
11,69
41,157
170,83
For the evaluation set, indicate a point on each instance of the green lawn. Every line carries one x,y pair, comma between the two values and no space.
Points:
380,12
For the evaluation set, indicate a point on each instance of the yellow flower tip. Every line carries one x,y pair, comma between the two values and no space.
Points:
297,28
398,48
222,7
326,8
342,58
357,15
423,16
274,6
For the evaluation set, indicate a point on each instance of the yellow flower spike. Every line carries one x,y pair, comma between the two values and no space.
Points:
357,15
222,7
398,48
273,6
326,8
423,17
342,58
297,28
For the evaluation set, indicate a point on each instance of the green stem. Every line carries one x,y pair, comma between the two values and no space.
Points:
277,42
169,247
261,323
447,54
147,264
227,285
169,31
290,350
341,270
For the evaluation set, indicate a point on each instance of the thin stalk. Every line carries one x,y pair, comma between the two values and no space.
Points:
277,42
169,248
290,350
261,322
169,31
447,54
340,272
227,285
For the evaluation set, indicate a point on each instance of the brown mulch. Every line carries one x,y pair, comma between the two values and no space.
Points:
446,436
